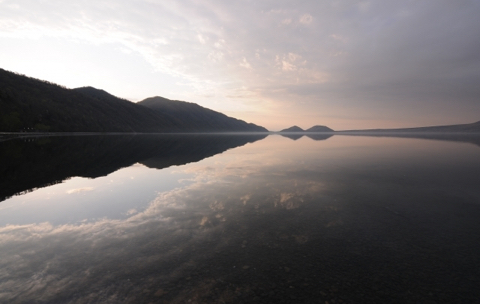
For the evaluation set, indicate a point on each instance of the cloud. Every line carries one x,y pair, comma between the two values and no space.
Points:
213,46
287,66
245,64
306,19
201,39
79,190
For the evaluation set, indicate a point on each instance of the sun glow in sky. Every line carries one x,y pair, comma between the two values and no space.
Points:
344,64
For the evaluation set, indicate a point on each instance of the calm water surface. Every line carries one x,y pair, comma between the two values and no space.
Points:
239,219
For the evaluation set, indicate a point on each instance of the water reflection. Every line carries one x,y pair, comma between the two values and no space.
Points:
292,136
353,220
30,163
468,137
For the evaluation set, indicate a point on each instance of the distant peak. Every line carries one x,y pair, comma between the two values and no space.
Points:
319,128
156,98
88,88
293,129
93,92
161,100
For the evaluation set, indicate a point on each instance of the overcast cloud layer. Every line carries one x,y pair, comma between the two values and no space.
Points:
345,64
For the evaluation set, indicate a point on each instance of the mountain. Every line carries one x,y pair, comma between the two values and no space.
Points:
31,104
293,129
462,128
196,118
28,104
319,129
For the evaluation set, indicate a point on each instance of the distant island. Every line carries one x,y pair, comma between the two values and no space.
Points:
317,128
32,105
292,129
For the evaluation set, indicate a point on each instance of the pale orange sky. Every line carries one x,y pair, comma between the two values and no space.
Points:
344,64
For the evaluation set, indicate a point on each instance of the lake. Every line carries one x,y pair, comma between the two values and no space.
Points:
240,219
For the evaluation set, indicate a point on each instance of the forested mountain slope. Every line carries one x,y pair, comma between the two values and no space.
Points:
28,104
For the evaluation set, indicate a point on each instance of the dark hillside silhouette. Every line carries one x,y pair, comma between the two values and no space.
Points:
28,104
198,117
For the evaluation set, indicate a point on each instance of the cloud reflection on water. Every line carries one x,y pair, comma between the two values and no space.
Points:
271,213
48,259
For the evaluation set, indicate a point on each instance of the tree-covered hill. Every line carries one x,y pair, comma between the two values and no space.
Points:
28,104
198,118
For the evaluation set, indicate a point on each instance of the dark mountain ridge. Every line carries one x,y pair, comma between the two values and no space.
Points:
198,117
28,104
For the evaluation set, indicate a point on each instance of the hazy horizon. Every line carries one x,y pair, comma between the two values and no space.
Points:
343,64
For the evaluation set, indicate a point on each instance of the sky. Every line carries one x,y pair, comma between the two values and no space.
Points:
344,64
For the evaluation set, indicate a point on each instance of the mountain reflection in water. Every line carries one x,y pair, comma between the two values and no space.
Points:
341,220
37,162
